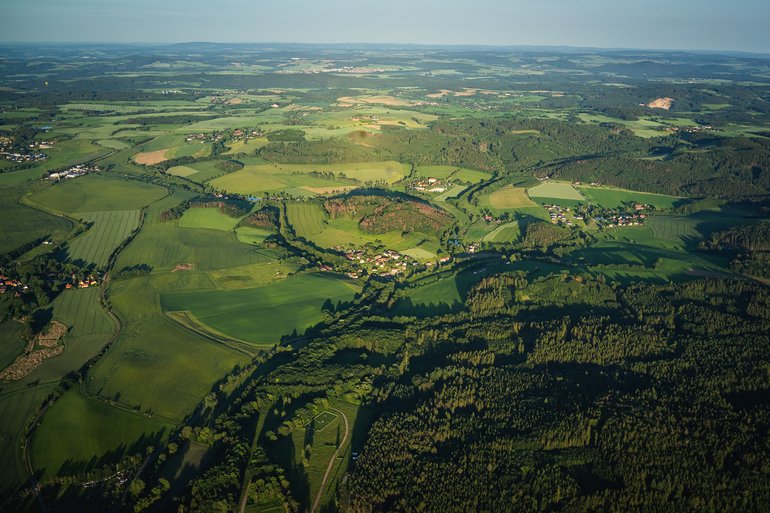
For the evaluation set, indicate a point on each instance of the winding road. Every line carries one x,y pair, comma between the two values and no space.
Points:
331,462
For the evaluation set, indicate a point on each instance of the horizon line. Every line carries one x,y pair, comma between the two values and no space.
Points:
383,44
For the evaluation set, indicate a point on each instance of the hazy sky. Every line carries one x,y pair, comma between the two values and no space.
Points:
674,24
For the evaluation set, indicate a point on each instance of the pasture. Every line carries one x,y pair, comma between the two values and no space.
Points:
608,197
343,231
109,230
78,433
98,192
262,315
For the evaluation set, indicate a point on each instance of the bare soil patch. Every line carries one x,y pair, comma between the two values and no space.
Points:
150,158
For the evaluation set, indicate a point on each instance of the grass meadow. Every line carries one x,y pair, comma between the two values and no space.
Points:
97,192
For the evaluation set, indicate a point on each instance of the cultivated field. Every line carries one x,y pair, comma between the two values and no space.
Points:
22,224
149,158
262,315
109,230
307,219
451,172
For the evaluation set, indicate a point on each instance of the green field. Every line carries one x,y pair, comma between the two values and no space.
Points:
307,219
612,198
296,178
555,190
97,192
262,315
23,225
16,409
343,231
11,344
109,230
209,218
79,431
162,245
154,365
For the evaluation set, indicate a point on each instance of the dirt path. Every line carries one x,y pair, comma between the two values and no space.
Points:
331,462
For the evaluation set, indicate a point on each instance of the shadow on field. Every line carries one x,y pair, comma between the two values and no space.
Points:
70,467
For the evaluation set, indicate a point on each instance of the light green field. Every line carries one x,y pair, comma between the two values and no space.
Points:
155,365
451,172
508,232
295,178
262,315
78,430
451,193
249,235
95,192
113,144
612,198
556,190
209,218
508,197
678,229
420,254
109,230
307,219
183,171
249,146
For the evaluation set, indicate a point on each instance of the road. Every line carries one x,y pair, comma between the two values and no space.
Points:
331,462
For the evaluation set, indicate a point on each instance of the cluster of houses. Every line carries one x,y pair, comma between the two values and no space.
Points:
384,263
204,138
431,184
558,214
689,129
73,172
7,151
84,283
8,284
239,134
348,69
615,218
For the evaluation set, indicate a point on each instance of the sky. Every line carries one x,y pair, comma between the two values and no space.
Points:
742,25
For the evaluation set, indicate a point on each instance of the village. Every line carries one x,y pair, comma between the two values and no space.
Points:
431,184
8,152
73,172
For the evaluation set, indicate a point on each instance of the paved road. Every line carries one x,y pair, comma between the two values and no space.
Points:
331,462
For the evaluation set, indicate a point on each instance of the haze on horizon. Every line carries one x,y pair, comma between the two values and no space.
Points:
740,25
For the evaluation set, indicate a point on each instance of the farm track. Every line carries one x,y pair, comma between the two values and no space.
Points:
331,462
